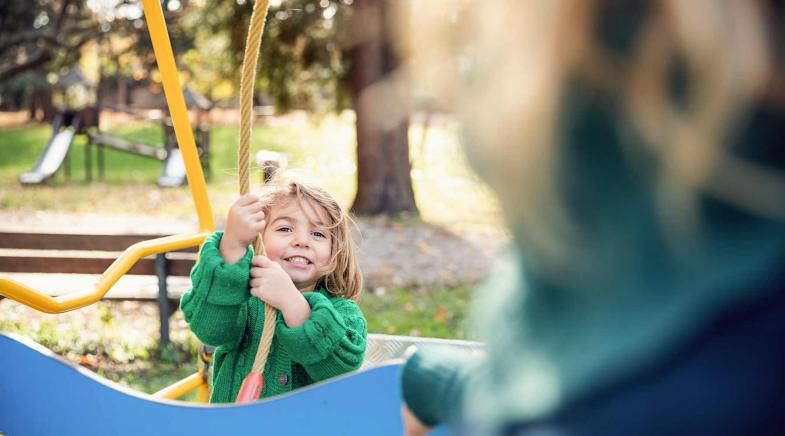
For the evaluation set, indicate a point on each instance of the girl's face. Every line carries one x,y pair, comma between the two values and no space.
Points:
290,239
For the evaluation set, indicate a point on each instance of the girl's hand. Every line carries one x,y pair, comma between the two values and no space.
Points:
271,284
244,222
412,426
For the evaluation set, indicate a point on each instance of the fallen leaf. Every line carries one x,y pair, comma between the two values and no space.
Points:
441,315
88,360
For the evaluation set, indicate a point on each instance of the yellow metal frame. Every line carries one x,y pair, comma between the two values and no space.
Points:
185,140
186,385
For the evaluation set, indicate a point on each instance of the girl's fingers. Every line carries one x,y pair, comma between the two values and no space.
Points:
261,261
257,271
254,219
248,199
254,206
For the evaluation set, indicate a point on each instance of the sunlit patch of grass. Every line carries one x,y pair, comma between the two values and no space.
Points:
437,312
322,150
19,148
447,192
147,133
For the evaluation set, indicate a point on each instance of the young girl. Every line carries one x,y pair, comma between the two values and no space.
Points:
309,274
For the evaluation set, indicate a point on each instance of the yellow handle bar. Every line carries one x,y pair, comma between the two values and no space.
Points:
45,303
185,386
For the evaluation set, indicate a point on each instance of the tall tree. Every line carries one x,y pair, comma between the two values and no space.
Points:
380,93
45,36
33,35
302,63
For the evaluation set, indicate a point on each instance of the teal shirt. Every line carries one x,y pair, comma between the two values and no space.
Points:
221,312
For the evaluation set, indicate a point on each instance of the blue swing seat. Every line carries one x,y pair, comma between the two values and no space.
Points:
42,394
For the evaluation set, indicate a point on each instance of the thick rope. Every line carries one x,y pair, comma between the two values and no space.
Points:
247,80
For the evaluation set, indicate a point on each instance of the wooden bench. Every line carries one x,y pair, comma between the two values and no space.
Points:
92,254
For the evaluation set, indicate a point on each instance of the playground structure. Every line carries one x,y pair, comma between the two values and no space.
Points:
173,172
64,128
36,384
86,121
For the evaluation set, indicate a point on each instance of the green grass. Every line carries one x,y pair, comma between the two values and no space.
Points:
436,312
321,150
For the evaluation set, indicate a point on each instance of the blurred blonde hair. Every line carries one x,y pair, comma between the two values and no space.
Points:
523,54
342,276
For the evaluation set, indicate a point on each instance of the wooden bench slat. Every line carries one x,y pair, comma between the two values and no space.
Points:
87,265
73,241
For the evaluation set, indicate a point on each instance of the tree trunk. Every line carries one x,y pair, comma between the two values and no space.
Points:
41,106
380,93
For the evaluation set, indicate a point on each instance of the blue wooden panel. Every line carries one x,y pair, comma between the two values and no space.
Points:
41,394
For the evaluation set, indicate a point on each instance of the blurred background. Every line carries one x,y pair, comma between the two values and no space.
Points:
341,99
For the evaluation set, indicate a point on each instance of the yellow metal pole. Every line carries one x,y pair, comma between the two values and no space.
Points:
204,392
180,388
174,98
185,140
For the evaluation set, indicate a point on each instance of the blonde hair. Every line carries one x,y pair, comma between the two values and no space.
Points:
342,277
524,72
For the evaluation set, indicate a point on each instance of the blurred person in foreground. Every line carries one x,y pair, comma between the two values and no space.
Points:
638,152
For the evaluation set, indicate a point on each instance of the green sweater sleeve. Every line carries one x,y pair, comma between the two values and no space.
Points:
433,382
331,342
216,306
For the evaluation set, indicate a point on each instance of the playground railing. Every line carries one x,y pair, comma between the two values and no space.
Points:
122,265
71,253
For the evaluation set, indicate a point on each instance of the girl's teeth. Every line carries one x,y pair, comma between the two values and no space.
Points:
298,260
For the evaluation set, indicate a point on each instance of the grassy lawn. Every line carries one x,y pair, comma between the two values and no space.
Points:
323,151
119,341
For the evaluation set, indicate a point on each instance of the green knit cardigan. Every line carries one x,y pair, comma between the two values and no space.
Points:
221,312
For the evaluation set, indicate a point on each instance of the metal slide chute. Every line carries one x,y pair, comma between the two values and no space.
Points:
55,152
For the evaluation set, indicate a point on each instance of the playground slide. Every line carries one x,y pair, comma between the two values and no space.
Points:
42,394
174,170
53,156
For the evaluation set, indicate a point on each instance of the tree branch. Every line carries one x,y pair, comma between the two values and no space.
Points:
23,37
39,58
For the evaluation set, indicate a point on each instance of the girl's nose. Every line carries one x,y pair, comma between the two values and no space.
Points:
300,240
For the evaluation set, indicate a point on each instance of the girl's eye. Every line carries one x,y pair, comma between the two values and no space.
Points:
319,234
284,229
